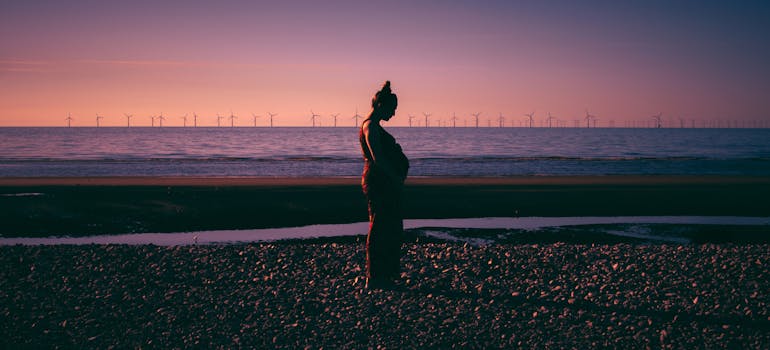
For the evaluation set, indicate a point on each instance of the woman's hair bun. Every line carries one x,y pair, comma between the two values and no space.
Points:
384,97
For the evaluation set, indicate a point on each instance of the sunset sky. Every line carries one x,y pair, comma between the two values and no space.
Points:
622,60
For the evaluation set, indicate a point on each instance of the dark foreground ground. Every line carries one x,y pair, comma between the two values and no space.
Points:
562,290
309,294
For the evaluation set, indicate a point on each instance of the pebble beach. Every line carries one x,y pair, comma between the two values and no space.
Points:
310,294
562,288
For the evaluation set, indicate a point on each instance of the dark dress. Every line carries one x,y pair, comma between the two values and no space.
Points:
386,227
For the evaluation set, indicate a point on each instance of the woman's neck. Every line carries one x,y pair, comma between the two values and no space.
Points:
374,117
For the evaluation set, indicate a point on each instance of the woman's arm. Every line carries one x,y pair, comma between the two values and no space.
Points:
375,149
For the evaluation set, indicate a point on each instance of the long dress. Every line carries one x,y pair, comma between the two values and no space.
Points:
386,227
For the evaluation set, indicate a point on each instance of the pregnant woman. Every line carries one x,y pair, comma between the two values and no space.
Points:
385,169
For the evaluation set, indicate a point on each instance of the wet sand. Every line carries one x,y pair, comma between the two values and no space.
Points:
326,181
310,294
88,206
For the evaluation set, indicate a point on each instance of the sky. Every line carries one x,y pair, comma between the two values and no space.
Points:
621,60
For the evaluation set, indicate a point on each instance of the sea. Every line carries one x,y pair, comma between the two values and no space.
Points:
335,152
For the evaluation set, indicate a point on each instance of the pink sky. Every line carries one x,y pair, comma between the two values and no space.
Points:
698,61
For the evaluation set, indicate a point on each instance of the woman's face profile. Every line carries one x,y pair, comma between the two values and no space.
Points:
388,112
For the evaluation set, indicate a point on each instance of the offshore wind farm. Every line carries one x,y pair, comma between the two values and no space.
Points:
530,120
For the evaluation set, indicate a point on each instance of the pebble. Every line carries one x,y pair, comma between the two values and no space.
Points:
310,295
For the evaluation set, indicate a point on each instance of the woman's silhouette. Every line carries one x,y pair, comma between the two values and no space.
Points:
385,168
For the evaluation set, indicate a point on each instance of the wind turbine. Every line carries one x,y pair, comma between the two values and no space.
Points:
128,119
550,118
658,119
454,120
184,120
98,117
334,116
356,117
531,118
195,120
153,120
313,116
254,116
69,120
476,117
588,118
161,119
271,118
232,119
427,115
219,118
410,120
501,120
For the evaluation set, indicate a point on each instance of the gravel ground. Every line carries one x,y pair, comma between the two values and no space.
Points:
310,295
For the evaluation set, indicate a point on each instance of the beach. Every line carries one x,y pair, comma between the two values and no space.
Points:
310,294
556,290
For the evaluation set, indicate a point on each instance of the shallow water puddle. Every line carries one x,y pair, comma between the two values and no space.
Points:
26,194
360,228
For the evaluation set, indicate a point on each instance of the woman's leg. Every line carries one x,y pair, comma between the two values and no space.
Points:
374,245
383,253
